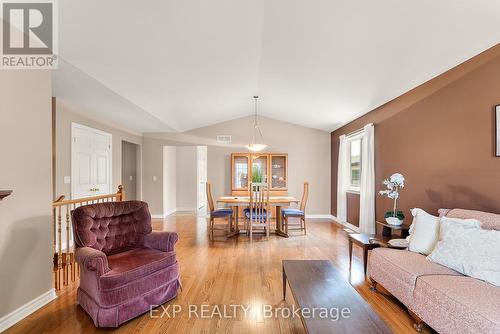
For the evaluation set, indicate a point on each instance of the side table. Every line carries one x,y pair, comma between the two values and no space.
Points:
365,241
388,228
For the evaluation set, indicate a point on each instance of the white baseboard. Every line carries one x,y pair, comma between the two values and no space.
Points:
168,213
346,224
22,312
186,208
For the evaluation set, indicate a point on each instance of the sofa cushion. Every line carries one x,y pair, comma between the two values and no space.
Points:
134,264
489,221
468,249
397,271
458,304
135,273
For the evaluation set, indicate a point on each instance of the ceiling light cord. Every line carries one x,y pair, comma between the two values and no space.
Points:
255,146
256,121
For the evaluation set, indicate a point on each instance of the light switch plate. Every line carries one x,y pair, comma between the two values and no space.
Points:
154,178
67,179
130,177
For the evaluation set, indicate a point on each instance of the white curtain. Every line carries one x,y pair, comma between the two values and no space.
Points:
343,179
367,186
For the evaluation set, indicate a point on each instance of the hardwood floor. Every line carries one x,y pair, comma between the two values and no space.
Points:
228,272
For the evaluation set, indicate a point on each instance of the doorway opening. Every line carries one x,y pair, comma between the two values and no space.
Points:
130,170
184,179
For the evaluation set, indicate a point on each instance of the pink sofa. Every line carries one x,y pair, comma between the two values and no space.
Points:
442,298
125,267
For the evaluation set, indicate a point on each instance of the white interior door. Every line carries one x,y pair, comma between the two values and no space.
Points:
202,175
90,162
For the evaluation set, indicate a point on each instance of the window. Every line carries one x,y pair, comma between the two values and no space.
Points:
355,162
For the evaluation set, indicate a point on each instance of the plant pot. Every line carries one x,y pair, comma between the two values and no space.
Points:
394,221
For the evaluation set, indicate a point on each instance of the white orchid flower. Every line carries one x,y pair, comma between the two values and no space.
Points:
397,179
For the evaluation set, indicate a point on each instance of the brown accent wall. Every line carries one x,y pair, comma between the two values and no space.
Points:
441,137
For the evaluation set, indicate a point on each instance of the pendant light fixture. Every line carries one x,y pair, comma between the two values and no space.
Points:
256,146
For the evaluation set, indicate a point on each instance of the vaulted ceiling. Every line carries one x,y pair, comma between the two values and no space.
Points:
178,65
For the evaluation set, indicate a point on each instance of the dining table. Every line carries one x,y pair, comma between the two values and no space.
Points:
244,201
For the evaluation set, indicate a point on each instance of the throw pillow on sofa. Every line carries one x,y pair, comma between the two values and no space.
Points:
424,232
466,222
468,249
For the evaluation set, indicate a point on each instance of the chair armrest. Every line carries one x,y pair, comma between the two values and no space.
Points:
163,241
92,259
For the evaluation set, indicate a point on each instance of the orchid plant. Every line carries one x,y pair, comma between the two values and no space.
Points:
393,185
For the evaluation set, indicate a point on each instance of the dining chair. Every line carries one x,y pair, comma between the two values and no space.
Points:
217,213
296,213
257,215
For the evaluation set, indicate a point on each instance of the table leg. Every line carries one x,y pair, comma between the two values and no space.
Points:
350,253
279,223
233,224
386,231
231,227
404,234
284,282
365,258
236,211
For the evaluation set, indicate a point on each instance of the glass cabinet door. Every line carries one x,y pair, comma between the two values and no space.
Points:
240,171
279,172
259,168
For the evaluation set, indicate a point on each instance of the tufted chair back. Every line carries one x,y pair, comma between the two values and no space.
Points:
111,227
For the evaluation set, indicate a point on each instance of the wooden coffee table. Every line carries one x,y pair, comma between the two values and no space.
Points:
317,284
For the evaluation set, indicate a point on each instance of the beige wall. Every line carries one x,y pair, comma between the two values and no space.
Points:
152,166
219,169
186,178
308,151
25,148
169,179
65,115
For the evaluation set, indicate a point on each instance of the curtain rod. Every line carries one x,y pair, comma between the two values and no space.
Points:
355,132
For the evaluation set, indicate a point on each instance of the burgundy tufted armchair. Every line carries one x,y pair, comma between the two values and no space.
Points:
125,267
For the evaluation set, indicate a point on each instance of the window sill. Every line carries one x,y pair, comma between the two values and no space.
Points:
353,191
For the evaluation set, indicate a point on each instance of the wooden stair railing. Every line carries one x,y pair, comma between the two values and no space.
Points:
64,265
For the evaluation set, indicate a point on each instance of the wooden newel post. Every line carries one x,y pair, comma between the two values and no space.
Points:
121,191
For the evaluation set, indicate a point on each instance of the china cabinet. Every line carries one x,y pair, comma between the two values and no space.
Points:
270,168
